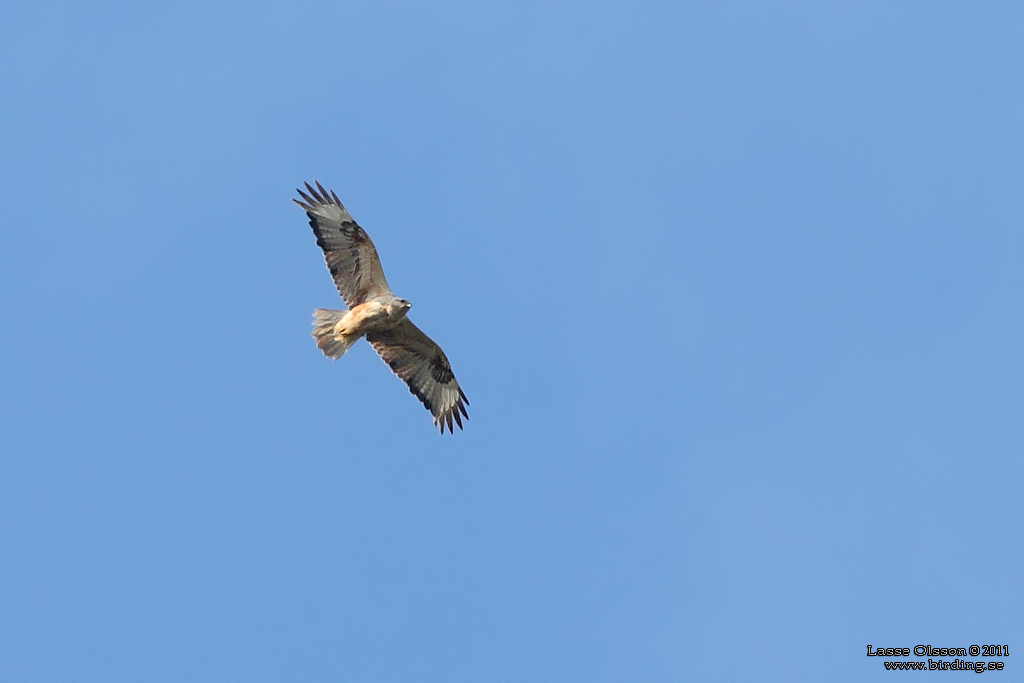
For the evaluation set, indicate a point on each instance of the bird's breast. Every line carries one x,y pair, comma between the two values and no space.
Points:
373,315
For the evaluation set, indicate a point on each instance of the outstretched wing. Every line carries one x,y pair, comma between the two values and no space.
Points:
348,251
422,365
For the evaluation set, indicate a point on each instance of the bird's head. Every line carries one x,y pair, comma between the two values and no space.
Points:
404,305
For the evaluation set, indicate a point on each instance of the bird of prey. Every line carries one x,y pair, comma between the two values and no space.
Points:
375,312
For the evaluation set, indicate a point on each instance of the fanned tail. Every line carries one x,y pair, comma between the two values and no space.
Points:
333,345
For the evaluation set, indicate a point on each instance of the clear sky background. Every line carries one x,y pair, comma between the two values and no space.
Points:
735,289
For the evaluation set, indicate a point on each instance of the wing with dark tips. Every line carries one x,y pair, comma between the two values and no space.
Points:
350,255
422,365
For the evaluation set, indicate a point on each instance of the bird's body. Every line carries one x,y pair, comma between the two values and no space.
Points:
375,312
373,316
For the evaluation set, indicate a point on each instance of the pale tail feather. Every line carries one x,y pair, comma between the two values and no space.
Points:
334,346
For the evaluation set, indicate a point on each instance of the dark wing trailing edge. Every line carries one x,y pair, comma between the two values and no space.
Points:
348,251
422,365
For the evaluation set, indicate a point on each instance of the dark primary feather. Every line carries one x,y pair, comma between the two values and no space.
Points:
348,251
422,365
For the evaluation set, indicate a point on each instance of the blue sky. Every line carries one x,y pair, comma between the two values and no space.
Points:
734,289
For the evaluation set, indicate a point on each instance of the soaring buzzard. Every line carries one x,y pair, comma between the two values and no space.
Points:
375,313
